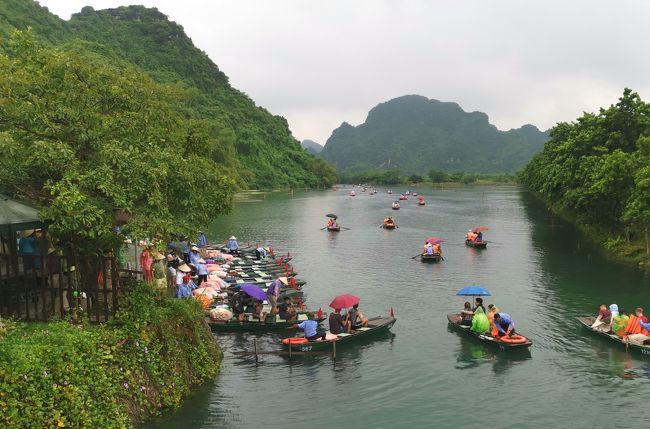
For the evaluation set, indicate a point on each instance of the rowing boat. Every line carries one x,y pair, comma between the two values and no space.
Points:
333,228
476,245
376,326
389,226
272,323
395,206
431,258
638,348
454,322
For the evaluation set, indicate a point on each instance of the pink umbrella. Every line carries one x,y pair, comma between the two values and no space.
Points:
434,240
344,301
480,229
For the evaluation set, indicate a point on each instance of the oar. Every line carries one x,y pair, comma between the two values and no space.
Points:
323,228
413,257
344,228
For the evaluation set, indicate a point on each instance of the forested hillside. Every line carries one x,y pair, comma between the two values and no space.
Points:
253,147
597,169
415,134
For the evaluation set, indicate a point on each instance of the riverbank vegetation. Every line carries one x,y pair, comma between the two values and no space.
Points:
382,177
109,376
596,171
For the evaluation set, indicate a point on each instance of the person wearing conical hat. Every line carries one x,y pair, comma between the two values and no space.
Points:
233,246
195,255
159,269
182,271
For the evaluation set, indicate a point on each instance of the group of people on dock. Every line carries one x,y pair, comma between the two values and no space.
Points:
633,328
492,321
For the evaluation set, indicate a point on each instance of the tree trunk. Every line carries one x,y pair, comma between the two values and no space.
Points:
647,242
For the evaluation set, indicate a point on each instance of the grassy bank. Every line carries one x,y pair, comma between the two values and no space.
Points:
106,376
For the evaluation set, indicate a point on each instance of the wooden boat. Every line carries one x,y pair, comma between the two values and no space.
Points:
436,257
587,321
390,192
389,226
333,228
395,206
454,322
376,326
272,323
421,201
476,245
353,194
403,197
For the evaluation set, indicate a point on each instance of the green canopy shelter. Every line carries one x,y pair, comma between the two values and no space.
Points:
16,216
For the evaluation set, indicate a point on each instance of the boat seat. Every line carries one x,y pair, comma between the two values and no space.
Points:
302,317
341,335
362,329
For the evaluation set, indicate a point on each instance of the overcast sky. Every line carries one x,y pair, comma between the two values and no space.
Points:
319,63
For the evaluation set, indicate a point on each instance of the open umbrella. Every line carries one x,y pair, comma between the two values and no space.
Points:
473,291
344,301
331,215
480,229
254,291
434,240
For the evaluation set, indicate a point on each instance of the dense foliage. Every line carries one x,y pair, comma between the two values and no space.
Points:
415,134
598,168
108,376
84,136
255,148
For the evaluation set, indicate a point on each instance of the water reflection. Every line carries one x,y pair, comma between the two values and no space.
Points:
472,354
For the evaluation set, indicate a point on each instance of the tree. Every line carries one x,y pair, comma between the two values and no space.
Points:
416,178
83,136
438,176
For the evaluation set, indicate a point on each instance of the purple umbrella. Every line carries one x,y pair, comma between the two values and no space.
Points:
254,291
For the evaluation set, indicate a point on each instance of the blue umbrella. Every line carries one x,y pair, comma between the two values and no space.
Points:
254,291
473,291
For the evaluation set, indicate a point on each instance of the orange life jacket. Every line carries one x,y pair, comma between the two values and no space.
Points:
493,331
634,327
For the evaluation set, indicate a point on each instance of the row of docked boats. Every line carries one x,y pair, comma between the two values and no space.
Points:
247,270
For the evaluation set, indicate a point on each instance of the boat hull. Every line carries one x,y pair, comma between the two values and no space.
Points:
234,325
389,226
481,245
430,258
376,325
636,348
334,229
454,323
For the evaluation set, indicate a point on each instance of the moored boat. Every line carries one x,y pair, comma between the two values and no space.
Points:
516,342
476,244
376,326
587,321
272,323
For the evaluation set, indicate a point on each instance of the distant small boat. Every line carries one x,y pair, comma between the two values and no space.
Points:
403,197
353,194
333,228
421,201
389,192
436,257
407,193
415,194
476,244
334,188
395,205
516,342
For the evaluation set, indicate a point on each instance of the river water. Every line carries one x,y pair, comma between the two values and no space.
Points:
539,269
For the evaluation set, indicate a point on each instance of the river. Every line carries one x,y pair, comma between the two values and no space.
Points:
539,269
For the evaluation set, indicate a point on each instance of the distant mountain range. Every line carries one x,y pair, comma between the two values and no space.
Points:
311,147
416,134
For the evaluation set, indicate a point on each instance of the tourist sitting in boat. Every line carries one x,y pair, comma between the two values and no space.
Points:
492,310
619,323
470,236
338,325
604,319
479,304
286,310
311,329
479,237
480,322
504,324
356,318
437,249
258,313
466,315
232,245
389,221
639,313
637,331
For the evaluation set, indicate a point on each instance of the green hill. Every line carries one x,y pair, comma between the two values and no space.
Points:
311,147
416,134
254,147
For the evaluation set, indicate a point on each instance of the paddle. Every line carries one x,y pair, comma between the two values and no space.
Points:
343,227
323,228
413,257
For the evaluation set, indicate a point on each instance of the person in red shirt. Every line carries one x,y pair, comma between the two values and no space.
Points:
604,319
